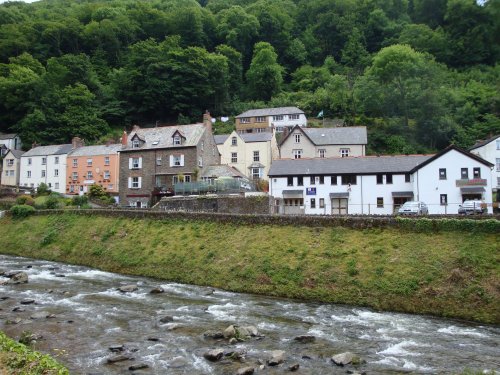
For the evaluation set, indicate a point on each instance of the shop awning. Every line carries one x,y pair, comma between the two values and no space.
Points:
293,193
472,189
402,194
339,195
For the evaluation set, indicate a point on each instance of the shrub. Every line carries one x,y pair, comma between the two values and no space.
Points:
25,199
52,202
43,189
79,200
22,210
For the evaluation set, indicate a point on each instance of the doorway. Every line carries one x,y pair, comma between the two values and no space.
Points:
339,206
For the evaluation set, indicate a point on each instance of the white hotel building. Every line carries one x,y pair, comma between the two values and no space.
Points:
379,184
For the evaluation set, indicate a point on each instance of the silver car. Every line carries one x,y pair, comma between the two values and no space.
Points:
413,208
471,207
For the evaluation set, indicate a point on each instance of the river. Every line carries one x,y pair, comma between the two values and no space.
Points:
88,315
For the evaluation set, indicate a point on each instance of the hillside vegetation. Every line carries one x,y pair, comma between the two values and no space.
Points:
419,73
451,274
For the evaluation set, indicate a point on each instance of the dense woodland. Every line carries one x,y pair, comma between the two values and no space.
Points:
419,73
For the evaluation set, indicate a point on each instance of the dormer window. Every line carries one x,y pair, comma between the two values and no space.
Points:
177,140
136,143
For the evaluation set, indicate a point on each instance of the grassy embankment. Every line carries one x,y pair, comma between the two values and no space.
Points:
452,273
16,358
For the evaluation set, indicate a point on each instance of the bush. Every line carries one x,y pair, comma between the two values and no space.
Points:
79,200
22,210
52,203
43,189
25,199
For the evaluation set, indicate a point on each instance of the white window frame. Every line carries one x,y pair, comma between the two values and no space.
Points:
177,140
322,153
56,172
56,160
74,176
10,162
260,119
136,143
177,160
106,160
234,141
89,175
28,174
75,163
293,117
30,161
56,186
258,174
245,120
158,160
278,118
297,153
135,163
43,173
107,175
297,137
344,152
256,156
89,162
135,182
44,161
234,157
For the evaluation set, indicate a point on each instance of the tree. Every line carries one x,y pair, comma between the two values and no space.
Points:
265,75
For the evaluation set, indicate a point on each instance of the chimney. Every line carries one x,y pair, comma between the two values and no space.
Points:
207,121
77,142
124,139
109,142
34,144
135,128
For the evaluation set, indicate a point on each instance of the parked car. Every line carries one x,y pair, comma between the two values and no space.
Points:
413,208
471,207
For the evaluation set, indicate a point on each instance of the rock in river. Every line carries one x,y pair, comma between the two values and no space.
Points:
128,288
157,290
119,358
214,355
246,371
343,358
277,357
138,366
305,338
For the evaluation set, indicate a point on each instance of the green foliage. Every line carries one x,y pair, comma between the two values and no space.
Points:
52,203
79,200
43,189
25,199
22,210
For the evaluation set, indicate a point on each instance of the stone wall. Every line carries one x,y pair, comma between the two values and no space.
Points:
220,204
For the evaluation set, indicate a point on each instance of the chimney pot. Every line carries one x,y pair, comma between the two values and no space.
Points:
207,121
124,139
77,142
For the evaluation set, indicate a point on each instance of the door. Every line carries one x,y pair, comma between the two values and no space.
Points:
339,206
138,205
398,202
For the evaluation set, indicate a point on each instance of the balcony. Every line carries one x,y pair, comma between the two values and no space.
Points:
471,182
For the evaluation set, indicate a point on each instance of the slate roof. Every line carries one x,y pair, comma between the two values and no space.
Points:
161,137
17,153
221,138
247,137
96,150
7,136
221,171
485,142
349,165
347,135
458,149
49,150
271,112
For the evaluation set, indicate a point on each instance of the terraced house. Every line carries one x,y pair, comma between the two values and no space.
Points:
153,160
266,119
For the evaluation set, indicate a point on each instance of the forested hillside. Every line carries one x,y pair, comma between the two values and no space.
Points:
419,73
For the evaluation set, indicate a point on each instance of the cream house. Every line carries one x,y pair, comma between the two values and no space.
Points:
250,153
11,167
324,142
9,142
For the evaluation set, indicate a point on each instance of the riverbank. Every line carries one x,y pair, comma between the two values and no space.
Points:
450,274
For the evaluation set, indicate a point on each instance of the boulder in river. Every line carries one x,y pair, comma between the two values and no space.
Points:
27,301
119,358
213,355
177,362
294,367
157,290
166,319
138,366
128,288
343,359
249,370
17,277
117,348
213,335
277,357
230,332
305,338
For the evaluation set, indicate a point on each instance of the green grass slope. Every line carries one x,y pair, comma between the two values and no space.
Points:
453,274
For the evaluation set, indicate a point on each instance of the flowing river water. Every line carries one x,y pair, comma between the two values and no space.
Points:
88,315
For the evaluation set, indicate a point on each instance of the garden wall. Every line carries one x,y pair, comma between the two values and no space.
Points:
221,204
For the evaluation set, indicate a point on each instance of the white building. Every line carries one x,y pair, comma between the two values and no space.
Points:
490,150
10,142
251,154
324,142
45,164
11,168
379,185
266,119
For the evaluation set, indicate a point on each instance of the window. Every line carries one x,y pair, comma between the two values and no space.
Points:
28,174
71,188
106,160
75,176
110,187
56,160
158,181
107,175
50,185
407,177
344,152
388,178
56,172
498,164
158,160
313,180
89,175
443,199
29,161
464,173
44,161
43,172
321,152
89,162
234,141
200,162
289,181
260,119
293,117
348,179
135,183
333,180
10,162
278,118
297,138
177,160
136,143
245,120
313,202
380,202
321,180
255,173
260,130
498,181
75,162
300,181
56,185
177,140
321,202
234,157
279,129
135,163
442,173
256,156
476,172
297,154
380,179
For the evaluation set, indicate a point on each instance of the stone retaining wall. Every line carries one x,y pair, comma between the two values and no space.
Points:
221,204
